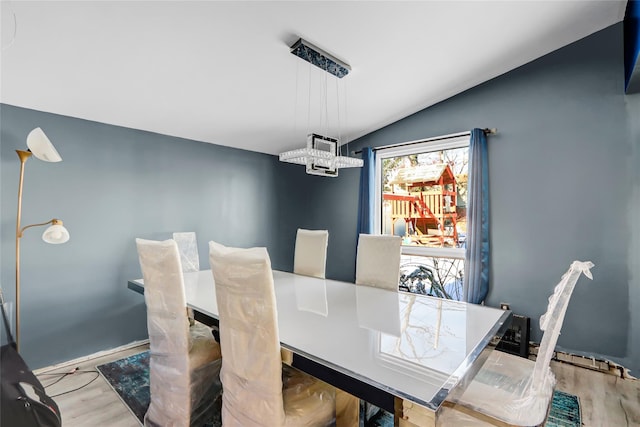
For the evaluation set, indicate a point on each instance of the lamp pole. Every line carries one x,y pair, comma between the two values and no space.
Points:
39,146
23,155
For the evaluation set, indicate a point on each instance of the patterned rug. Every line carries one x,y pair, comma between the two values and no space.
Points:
565,411
129,377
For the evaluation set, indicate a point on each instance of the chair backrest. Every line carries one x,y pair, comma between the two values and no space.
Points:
188,248
310,257
551,321
378,261
251,372
168,329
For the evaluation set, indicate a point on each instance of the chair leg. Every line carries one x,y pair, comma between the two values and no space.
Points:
347,409
191,316
409,414
478,415
287,356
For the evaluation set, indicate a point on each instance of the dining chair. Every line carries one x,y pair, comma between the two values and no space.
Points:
258,390
515,390
310,258
188,248
377,265
189,259
378,261
184,360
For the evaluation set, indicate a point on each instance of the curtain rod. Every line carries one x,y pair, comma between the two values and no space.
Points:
487,131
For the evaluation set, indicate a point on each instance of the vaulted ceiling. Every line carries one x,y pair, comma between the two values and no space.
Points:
221,72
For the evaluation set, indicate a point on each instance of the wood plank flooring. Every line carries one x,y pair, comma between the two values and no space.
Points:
606,400
95,404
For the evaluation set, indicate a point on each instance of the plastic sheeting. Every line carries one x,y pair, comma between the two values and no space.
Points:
189,259
451,417
188,248
516,390
257,392
185,361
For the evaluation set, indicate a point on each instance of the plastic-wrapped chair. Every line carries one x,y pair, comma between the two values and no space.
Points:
188,248
189,259
515,390
310,257
378,261
258,390
185,361
377,265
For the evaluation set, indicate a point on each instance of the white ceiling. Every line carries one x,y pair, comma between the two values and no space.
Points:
221,72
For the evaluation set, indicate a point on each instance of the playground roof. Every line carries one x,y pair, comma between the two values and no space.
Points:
425,175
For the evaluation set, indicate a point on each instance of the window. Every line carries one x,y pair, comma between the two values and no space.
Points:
421,195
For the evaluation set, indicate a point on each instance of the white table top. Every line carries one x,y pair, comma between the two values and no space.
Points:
412,346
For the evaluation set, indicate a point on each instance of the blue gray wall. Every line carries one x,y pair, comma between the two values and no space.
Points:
309,201
113,185
564,184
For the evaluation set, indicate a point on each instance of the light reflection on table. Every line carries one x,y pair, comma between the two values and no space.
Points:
411,346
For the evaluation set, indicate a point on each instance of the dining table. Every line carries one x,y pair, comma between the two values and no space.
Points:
405,353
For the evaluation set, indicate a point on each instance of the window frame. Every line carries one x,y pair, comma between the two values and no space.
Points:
445,142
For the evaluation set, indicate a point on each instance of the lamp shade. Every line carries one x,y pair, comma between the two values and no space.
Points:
41,147
55,234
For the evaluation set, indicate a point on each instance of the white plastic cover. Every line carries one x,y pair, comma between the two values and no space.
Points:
451,417
516,390
185,361
378,261
310,256
189,259
252,370
188,248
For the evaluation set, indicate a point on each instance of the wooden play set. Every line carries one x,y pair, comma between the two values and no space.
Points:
425,197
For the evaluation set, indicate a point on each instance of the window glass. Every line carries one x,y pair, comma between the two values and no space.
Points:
422,197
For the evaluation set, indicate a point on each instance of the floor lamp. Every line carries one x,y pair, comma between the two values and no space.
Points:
39,146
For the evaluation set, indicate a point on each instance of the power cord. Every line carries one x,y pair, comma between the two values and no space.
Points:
79,388
64,375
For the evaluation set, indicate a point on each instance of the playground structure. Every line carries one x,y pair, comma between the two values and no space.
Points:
430,215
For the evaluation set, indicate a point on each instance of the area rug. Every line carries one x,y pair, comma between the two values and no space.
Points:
129,377
565,411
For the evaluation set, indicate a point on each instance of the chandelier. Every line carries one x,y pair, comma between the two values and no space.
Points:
321,155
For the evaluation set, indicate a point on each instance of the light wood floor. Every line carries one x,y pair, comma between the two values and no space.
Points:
606,400
96,404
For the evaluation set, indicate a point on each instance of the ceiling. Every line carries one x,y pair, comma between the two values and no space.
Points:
221,72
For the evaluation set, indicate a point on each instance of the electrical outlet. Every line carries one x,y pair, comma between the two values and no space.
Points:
505,306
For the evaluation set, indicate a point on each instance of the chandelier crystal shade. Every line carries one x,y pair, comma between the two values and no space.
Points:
321,155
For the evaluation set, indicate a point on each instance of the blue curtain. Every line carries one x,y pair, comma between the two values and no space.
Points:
476,285
367,196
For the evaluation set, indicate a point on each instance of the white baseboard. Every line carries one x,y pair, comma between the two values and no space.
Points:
600,365
83,359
